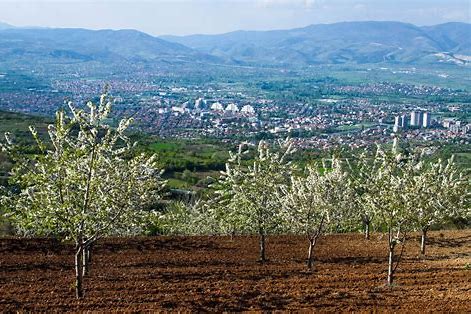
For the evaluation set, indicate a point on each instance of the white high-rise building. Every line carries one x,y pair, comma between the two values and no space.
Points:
400,122
200,103
416,118
427,120
397,121
403,121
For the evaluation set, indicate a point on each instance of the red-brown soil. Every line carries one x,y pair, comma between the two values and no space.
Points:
217,274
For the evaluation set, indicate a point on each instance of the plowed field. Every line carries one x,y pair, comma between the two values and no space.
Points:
217,274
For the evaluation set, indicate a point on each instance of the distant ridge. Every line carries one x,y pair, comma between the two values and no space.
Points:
339,43
5,25
346,42
106,46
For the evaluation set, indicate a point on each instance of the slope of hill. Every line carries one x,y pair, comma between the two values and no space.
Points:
347,42
452,37
5,25
340,43
106,46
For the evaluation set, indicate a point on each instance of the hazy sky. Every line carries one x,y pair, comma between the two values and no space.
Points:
179,17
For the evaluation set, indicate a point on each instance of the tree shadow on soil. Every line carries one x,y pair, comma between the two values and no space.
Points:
433,270
48,265
251,300
160,244
448,256
354,260
181,264
449,243
45,245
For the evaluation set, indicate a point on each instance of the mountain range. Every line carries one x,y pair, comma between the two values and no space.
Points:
5,25
339,43
81,45
347,42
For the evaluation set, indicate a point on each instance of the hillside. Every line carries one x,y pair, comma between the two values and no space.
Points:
452,37
347,42
106,46
340,43
5,25
217,274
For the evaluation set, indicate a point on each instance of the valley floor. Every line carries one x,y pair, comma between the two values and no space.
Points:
217,274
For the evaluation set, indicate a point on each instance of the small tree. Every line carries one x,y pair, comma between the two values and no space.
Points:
316,202
437,191
386,200
360,176
225,208
224,203
250,190
85,184
188,218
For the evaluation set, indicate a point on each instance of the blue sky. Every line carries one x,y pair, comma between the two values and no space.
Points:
180,17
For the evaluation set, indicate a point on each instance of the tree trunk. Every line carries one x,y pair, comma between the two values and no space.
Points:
390,266
367,230
422,242
86,260
262,247
89,259
78,270
310,257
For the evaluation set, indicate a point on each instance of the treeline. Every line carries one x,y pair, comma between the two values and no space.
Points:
393,191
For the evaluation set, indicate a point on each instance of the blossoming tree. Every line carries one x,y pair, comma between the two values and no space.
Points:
385,199
85,184
314,203
250,190
360,176
437,191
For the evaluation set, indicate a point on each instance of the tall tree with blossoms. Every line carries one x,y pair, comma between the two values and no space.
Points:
85,184
383,196
315,203
249,189
436,191
360,176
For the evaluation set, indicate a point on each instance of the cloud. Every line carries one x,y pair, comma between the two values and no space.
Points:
360,6
456,15
292,4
